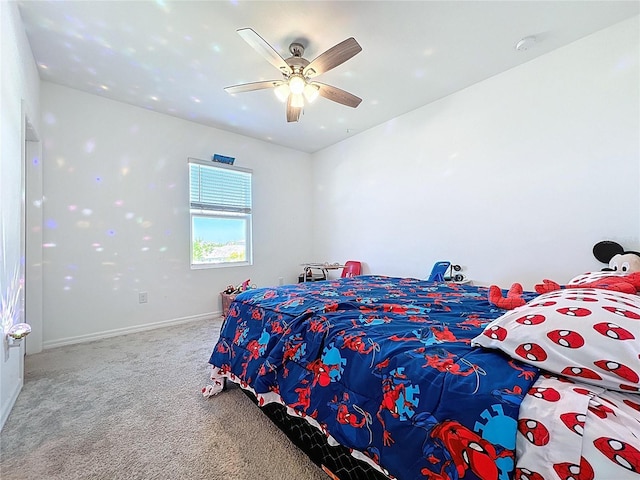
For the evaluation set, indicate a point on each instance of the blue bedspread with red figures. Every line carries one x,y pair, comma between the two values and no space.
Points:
385,366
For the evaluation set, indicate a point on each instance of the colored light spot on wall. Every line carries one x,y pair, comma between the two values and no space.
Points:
49,118
51,224
49,245
87,212
111,233
118,203
89,146
72,208
83,224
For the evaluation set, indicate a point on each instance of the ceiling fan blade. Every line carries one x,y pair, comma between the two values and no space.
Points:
293,113
248,87
338,95
336,55
263,48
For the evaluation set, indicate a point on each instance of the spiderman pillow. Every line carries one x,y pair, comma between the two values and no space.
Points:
589,334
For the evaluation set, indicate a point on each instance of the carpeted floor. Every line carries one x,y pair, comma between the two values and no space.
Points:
130,407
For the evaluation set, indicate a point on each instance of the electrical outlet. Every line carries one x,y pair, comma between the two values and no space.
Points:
142,297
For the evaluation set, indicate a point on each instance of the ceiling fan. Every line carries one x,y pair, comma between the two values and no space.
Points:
297,73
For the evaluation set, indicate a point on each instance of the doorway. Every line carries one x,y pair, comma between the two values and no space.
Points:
31,248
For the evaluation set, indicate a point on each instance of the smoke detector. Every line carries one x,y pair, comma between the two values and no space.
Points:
526,43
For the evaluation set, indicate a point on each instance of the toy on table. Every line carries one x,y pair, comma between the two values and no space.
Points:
241,287
444,272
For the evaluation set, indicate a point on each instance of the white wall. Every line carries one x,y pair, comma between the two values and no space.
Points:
515,178
19,84
116,216
511,178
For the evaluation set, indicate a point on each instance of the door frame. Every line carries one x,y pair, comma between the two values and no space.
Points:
32,223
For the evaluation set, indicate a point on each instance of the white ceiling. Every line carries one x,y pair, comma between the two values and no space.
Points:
176,57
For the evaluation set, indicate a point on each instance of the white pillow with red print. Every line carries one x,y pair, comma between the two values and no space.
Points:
594,277
588,334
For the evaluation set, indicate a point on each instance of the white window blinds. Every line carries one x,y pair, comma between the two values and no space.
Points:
223,189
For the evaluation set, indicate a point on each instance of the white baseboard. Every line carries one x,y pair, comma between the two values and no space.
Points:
123,331
7,406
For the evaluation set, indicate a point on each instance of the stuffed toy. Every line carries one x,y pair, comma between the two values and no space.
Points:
622,275
616,257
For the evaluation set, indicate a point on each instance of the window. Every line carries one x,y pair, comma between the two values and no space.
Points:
220,203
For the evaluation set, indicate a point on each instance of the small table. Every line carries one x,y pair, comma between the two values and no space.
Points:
227,298
325,267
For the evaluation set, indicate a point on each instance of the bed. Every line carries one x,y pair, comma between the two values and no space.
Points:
416,379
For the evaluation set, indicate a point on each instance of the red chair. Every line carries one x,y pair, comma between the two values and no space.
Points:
351,269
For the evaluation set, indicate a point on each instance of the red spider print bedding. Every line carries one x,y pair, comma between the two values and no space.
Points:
572,430
581,420
383,366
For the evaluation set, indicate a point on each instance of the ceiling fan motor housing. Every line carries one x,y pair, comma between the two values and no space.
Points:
297,64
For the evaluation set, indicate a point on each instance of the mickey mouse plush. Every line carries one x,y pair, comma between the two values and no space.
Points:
622,275
616,257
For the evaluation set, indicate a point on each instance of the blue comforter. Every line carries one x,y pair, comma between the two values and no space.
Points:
385,366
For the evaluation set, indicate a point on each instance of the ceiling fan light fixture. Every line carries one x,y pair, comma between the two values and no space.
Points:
311,92
282,91
297,84
297,100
